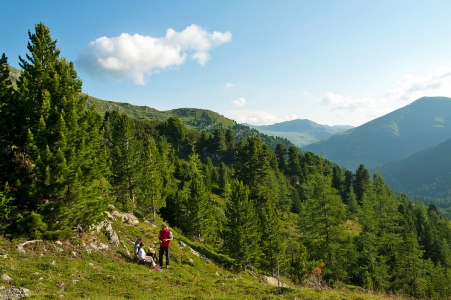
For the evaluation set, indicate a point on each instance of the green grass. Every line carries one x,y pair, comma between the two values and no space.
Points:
69,271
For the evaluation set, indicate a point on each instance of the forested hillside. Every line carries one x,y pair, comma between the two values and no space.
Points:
426,173
272,211
402,132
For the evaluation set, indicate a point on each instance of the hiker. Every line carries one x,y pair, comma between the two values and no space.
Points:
152,253
136,248
165,237
142,257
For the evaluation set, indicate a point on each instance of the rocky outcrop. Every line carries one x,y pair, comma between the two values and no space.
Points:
14,293
272,281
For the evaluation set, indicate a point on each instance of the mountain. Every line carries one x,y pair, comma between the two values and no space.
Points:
301,132
419,125
192,117
425,173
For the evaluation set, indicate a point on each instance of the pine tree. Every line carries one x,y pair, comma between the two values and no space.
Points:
150,190
273,239
281,153
224,184
60,139
320,223
125,154
8,119
241,234
252,165
362,182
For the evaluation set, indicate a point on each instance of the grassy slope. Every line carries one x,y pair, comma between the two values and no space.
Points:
69,271
187,115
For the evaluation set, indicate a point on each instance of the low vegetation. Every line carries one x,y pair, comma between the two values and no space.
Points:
79,268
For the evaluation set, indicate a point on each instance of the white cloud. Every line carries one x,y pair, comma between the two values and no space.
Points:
135,56
229,85
405,91
338,102
412,87
255,117
240,102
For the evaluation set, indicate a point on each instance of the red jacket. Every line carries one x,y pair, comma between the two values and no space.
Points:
165,234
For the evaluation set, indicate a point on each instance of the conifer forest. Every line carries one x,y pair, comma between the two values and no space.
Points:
267,207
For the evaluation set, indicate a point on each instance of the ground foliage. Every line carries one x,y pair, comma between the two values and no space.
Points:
259,207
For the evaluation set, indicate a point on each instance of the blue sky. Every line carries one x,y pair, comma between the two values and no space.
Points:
258,62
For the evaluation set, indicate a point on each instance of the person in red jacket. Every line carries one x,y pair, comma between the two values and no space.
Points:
165,237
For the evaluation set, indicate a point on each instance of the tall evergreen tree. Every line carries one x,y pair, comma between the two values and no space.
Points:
241,235
273,239
62,141
150,192
281,153
125,154
362,182
320,224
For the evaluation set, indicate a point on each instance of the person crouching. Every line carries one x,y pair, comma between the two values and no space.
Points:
142,257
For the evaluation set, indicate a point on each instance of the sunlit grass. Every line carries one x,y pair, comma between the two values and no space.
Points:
69,271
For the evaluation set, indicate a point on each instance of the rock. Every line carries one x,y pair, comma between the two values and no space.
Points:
102,246
5,256
126,249
6,277
130,219
14,293
110,216
74,253
59,243
114,238
117,214
194,252
272,281
182,244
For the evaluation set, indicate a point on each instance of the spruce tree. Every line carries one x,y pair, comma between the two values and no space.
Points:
62,141
273,239
150,190
362,182
320,223
125,155
241,233
8,130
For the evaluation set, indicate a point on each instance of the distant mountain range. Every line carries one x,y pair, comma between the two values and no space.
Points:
398,134
301,132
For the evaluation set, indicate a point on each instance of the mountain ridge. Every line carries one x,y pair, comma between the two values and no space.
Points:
301,132
395,135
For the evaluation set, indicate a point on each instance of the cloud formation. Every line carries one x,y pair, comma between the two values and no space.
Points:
135,56
256,117
405,91
229,85
240,102
412,87
337,102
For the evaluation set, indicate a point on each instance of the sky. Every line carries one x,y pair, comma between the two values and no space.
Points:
256,62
